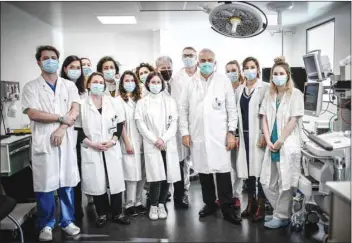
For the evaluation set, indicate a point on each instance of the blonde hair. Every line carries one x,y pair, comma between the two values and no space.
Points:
280,62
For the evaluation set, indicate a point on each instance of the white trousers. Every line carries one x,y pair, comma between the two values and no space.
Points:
186,172
237,184
134,190
280,200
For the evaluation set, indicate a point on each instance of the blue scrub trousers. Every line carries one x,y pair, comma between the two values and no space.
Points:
46,207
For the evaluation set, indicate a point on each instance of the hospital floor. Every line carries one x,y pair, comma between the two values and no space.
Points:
180,226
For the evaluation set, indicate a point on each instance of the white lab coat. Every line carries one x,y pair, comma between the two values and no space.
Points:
132,168
52,167
145,92
207,113
156,117
290,152
177,84
256,154
108,85
100,128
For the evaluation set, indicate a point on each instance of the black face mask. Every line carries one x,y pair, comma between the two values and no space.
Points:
166,74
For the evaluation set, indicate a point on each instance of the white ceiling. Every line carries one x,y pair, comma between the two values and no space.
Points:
81,16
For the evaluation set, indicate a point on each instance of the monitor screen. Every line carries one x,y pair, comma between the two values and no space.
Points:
311,94
312,69
298,74
266,74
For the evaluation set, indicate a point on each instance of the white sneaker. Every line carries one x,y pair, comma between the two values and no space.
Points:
153,213
162,211
71,229
46,234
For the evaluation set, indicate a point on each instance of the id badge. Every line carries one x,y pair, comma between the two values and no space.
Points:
217,103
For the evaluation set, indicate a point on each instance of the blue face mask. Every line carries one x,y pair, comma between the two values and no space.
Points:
143,78
50,65
189,62
129,86
206,68
73,74
97,89
233,76
109,74
280,80
86,71
155,88
250,74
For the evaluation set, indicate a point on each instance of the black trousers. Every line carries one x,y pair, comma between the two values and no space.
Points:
77,189
158,190
179,187
224,187
252,180
101,202
102,206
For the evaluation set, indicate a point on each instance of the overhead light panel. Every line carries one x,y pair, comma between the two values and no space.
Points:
117,19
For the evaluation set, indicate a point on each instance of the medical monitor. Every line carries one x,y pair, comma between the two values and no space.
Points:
317,66
313,98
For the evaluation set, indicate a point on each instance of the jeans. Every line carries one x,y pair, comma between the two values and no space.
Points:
46,207
158,190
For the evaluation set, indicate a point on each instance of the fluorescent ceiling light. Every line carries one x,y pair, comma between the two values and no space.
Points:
117,19
272,19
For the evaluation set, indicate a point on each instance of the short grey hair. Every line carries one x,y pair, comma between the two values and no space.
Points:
162,59
206,50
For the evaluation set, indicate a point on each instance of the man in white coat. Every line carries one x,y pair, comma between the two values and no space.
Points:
163,65
189,58
208,120
51,104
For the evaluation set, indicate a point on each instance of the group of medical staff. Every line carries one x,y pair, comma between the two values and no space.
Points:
108,135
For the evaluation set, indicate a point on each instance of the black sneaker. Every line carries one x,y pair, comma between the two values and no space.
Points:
121,219
101,221
141,209
131,212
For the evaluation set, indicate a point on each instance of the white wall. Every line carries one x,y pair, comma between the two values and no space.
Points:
129,49
342,17
21,33
264,46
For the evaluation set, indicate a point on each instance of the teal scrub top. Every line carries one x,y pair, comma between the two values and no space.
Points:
275,156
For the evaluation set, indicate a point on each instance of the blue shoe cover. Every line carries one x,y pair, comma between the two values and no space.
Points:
276,223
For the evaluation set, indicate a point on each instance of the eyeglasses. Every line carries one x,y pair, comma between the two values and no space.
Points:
188,55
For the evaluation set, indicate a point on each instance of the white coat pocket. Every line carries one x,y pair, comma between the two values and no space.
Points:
218,103
87,156
41,143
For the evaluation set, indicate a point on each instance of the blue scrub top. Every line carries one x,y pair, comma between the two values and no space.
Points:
53,87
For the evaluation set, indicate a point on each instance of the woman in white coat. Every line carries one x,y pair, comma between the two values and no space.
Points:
72,70
142,72
131,147
101,122
249,97
233,72
282,110
110,68
156,116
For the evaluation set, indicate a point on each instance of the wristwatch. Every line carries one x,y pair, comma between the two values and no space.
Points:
113,141
61,119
